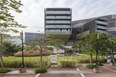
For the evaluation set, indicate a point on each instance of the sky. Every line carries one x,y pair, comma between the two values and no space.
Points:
32,14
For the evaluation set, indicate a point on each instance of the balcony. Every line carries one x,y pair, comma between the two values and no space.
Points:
58,17
59,26
58,32
100,31
101,27
58,22
101,22
58,12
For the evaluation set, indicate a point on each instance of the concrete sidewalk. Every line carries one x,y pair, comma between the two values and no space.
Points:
80,71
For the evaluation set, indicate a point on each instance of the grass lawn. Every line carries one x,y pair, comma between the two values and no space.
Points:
15,62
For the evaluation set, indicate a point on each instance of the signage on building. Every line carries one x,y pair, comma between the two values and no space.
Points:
53,58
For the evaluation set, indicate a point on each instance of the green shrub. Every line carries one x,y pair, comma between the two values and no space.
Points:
68,63
29,62
90,66
84,61
87,60
5,70
100,64
41,70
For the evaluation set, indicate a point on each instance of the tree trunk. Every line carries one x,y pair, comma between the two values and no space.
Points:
98,58
40,56
2,65
91,55
102,58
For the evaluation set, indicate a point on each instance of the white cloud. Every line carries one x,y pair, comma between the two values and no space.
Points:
33,10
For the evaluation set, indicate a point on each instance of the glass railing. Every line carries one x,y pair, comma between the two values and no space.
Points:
60,26
58,32
58,22
100,31
58,17
102,27
58,12
101,22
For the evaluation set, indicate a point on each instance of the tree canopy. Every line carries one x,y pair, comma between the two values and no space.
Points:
9,48
90,39
7,22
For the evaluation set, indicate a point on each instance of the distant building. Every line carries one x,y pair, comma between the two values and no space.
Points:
31,36
16,41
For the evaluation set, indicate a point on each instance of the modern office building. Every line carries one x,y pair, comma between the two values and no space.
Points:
95,26
58,23
103,24
29,37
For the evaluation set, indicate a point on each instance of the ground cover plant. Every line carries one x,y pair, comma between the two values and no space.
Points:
41,70
100,64
90,66
5,70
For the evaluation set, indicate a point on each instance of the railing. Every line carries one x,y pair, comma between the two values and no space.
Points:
58,12
100,31
101,22
59,26
58,17
102,27
58,32
58,22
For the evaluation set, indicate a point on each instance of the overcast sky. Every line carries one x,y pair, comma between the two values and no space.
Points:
33,11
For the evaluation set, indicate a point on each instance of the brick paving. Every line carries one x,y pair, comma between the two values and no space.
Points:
60,75
101,75
59,69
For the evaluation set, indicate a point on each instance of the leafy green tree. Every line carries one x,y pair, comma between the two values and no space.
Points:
9,48
88,43
39,44
42,42
7,22
111,46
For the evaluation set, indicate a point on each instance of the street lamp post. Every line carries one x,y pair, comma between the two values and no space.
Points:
112,63
22,69
96,69
21,36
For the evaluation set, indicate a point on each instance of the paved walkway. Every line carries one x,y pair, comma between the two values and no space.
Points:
80,71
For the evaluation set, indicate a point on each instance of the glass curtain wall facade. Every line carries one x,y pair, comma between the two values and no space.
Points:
29,37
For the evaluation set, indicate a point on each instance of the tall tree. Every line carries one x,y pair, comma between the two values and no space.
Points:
38,44
7,22
112,46
88,42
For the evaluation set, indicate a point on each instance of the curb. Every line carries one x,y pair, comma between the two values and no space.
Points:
20,74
